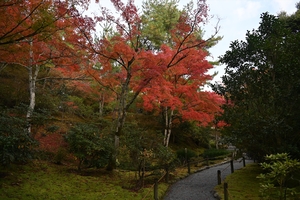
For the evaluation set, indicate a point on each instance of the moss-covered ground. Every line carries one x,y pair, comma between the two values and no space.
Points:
46,180
40,180
242,184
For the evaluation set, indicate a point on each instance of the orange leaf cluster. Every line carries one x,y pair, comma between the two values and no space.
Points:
169,77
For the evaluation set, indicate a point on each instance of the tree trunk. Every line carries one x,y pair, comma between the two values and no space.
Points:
2,66
33,71
120,119
168,126
101,104
216,139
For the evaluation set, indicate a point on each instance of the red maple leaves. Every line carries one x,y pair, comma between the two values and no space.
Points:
53,33
170,77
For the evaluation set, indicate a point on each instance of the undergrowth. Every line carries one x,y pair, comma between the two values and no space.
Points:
46,180
41,180
242,184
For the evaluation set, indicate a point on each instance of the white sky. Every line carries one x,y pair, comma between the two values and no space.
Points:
236,17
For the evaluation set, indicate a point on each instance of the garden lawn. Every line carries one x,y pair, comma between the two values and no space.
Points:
242,184
40,180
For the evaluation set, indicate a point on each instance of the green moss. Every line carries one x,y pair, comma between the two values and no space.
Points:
49,181
242,184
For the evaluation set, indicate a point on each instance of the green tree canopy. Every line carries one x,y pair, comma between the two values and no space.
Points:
261,85
159,18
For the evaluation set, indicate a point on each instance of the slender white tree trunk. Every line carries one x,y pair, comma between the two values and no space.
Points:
120,119
101,105
168,126
216,139
2,66
33,71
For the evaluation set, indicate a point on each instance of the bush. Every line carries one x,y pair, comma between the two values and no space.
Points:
136,141
16,145
59,156
77,106
212,153
52,129
280,169
184,155
190,131
89,145
166,160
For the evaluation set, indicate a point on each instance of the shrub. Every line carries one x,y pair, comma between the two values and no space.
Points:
184,155
16,145
280,168
136,141
212,153
78,107
52,128
59,156
166,160
91,147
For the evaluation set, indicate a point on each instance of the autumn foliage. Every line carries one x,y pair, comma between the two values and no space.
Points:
116,65
168,79
46,28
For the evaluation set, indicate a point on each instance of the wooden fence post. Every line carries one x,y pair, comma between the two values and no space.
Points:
167,174
244,162
219,177
186,158
156,190
231,164
189,166
225,191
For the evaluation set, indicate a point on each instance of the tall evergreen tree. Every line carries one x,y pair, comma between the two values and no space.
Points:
262,87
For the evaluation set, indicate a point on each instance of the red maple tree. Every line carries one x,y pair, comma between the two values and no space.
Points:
170,77
39,34
177,91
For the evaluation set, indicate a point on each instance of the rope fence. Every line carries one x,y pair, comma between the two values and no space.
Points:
225,186
155,186
188,163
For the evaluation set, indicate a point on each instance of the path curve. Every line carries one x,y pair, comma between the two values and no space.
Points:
199,186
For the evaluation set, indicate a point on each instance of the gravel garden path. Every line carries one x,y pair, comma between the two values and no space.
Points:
200,185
